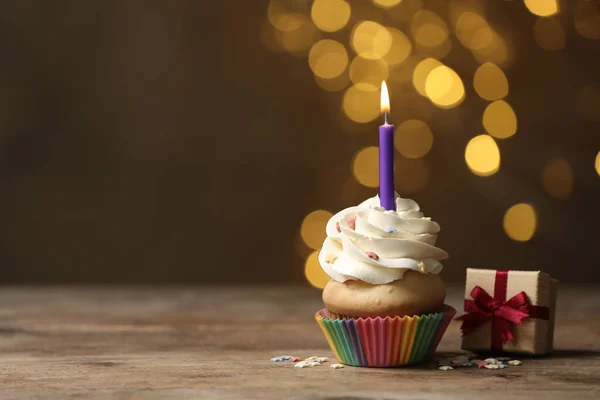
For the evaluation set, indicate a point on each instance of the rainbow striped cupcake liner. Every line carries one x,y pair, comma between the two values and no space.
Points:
385,342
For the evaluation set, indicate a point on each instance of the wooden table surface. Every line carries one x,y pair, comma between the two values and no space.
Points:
216,343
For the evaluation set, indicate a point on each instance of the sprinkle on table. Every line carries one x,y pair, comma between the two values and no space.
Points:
469,360
337,366
492,366
445,368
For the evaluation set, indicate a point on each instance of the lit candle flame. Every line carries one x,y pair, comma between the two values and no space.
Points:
385,101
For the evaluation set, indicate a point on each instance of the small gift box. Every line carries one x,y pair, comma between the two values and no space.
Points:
509,311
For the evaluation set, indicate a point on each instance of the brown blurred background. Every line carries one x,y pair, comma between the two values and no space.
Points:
186,141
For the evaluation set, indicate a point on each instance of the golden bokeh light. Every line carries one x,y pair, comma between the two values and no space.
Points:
428,29
312,230
284,16
490,83
587,19
406,10
413,175
400,49
520,222
371,40
437,52
330,15
365,166
597,163
542,8
473,31
313,271
421,72
499,120
387,3
495,52
558,178
413,138
444,87
328,58
549,34
298,41
336,84
369,73
361,103
483,155
456,8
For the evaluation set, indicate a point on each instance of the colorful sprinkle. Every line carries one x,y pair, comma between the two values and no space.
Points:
492,366
426,218
482,364
321,359
314,364
301,364
515,362
372,255
352,223
502,366
337,366
445,368
493,361
465,364
311,358
281,358
391,230
295,359
337,226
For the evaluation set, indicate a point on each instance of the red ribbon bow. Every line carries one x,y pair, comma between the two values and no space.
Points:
502,313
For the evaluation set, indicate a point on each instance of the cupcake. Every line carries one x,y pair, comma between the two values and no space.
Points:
384,303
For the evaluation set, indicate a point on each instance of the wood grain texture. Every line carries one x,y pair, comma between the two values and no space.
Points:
215,343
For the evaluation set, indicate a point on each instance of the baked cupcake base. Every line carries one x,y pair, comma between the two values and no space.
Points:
385,342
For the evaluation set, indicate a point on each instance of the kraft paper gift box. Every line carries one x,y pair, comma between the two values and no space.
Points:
509,311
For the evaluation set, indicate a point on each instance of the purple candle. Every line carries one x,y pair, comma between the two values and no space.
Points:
386,155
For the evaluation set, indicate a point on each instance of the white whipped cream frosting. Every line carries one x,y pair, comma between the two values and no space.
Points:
378,246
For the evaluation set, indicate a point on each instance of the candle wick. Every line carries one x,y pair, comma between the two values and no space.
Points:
385,117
